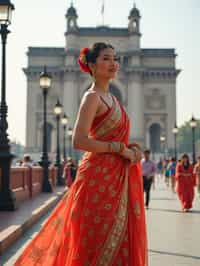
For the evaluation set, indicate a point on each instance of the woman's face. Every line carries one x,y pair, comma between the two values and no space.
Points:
106,66
185,160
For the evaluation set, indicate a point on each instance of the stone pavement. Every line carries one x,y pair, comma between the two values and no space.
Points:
14,224
174,237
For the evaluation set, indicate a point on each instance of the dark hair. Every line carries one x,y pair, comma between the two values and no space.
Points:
185,156
147,151
94,51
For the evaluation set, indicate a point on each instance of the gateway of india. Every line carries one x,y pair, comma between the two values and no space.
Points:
146,83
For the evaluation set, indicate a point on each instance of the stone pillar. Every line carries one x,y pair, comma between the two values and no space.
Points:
70,100
31,127
136,109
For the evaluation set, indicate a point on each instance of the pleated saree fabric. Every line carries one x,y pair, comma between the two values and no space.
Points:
101,219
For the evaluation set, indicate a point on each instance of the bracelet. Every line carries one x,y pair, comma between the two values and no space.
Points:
117,147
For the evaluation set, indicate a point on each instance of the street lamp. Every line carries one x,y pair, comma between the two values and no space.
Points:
162,139
175,132
193,124
45,84
70,131
64,122
7,197
58,111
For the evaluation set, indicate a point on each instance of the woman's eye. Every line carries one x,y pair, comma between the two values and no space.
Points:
117,59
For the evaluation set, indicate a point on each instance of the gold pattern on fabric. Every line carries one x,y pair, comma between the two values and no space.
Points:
36,253
105,170
57,223
108,206
106,177
118,229
104,229
113,193
97,220
136,209
97,169
92,183
95,198
111,122
87,212
54,250
102,189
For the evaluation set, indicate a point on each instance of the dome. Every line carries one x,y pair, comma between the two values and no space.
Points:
134,12
71,12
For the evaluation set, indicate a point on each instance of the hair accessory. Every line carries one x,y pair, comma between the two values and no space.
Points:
82,60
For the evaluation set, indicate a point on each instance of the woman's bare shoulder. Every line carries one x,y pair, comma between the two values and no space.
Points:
90,97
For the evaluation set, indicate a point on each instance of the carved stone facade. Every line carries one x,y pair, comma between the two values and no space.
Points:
146,84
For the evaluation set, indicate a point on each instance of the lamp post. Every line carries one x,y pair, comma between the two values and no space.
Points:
70,131
45,84
193,124
58,111
175,132
7,197
162,139
64,122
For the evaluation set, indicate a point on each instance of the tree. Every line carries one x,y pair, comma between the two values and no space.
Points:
184,138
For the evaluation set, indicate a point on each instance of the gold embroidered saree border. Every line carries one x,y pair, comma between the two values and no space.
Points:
110,122
116,236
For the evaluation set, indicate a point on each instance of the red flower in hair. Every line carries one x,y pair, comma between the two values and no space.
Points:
82,60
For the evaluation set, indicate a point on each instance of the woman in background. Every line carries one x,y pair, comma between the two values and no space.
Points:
185,183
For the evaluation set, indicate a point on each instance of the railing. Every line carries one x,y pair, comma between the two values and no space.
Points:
26,182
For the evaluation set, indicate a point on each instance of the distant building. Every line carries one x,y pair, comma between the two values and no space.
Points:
146,84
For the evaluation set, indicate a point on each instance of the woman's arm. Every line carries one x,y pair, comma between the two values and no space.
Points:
88,109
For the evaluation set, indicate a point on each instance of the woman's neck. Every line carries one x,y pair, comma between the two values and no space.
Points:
102,86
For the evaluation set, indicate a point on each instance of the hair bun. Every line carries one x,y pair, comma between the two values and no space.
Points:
82,60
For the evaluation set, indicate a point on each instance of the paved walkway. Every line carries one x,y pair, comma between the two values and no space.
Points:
174,237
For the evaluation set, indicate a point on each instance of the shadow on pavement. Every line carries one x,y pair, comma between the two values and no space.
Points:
168,210
174,254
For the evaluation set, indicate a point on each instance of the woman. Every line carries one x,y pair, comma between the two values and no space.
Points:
69,172
197,174
185,183
101,221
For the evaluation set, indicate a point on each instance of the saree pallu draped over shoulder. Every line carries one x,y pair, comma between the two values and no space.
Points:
101,220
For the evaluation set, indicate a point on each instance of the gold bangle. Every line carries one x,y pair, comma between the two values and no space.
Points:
122,147
117,147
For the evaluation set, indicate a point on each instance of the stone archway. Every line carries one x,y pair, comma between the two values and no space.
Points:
154,137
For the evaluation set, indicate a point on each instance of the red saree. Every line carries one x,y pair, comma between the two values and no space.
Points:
185,185
101,220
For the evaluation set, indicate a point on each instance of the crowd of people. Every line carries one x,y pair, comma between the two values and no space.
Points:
180,175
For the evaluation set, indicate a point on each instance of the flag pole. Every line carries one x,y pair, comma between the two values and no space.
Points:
102,11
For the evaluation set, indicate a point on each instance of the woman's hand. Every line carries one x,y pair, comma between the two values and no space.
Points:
133,154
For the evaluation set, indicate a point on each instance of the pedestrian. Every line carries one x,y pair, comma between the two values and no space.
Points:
69,172
101,220
166,171
197,174
160,168
148,173
185,183
172,171
27,162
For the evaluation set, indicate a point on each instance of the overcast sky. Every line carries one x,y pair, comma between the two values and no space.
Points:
164,24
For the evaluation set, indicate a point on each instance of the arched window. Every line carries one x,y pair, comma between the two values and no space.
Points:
155,132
